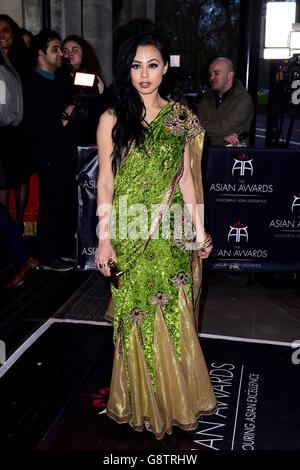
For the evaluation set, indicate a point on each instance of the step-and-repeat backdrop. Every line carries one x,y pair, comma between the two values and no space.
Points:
253,208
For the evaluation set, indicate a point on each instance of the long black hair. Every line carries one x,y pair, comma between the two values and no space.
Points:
130,109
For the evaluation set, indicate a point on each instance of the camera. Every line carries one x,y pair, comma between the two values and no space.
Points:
291,75
85,90
82,97
293,68
84,79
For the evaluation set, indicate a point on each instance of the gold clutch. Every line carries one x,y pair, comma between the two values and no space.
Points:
115,274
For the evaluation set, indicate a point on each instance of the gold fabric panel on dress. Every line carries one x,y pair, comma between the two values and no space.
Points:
143,403
172,394
118,406
109,314
196,149
165,202
192,361
196,271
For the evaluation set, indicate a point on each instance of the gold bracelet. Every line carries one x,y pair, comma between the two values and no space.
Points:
205,244
207,241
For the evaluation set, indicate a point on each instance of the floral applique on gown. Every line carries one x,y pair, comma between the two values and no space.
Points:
159,373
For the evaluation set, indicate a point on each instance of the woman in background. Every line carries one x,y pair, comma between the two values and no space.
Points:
90,102
27,36
15,161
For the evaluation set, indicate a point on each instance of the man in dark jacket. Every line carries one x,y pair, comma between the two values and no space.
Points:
226,109
51,139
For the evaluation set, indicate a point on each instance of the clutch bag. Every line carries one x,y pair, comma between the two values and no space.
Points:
115,274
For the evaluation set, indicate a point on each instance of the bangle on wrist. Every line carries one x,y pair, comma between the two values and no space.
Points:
205,244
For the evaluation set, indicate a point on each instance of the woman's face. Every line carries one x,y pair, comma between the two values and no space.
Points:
73,51
27,39
147,69
6,36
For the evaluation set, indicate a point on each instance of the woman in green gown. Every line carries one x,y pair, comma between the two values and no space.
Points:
150,222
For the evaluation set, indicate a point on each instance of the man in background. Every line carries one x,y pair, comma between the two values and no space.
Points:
226,109
51,139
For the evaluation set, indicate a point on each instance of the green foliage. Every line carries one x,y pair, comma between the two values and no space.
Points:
141,25
198,30
201,30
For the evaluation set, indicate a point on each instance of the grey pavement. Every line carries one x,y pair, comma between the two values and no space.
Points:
236,307
260,133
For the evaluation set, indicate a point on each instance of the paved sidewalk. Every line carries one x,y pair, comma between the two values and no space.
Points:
234,307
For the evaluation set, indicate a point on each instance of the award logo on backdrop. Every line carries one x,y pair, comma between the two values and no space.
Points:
242,164
253,225
296,202
238,231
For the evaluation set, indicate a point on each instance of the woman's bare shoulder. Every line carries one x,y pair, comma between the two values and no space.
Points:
108,118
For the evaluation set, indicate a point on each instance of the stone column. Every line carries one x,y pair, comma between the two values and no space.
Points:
32,14
248,55
98,30
55,7
150,10
71,20
12,8
131,9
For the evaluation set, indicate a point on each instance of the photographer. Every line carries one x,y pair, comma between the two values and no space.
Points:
288,73
284,100
90,101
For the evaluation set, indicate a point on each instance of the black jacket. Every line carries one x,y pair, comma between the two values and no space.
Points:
44,102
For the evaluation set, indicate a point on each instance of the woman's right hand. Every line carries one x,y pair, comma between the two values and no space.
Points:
103,254
69,109
100,85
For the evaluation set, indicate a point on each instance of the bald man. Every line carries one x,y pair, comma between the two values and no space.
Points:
226,109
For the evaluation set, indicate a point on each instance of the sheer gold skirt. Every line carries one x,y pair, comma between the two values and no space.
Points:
183,388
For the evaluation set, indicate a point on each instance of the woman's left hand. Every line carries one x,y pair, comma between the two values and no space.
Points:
100,85
204,253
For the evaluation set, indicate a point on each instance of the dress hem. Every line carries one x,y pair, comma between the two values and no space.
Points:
185,427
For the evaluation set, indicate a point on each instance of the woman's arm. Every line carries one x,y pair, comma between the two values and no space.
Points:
187,188
105,191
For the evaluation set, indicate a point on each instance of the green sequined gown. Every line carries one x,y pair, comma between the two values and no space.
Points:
159,373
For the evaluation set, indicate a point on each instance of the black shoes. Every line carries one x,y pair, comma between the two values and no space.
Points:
69,258
60,264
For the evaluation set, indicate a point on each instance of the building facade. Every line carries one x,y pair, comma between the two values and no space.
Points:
95,20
